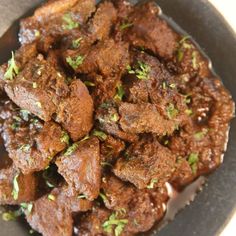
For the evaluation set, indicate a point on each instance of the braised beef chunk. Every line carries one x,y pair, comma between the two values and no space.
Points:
144,118
75,112
111,149
16,187
49,217
31,143
54,19
145,162
101,24
103,109
149,31
43,91
108,117
106,57
80,166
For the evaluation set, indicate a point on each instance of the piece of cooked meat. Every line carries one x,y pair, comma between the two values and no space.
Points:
49,217
106,57
42,90
54,20
145,118
100,25
108,120
151,32
111,149
30,143
15,187
81,168
145,162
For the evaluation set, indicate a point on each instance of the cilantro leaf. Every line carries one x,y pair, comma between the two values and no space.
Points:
152,183
69,22
120,92
172,112
71,149
113,221
16,189
12,69
141,71
101,135
76,42
125,25
65,138
192,160
75,62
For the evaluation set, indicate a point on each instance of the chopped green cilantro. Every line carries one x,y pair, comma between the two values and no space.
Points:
125,25
25,147
152,183
71,149
200,135
101,135
103,196
172,112
69,23
192,160
142,71
15,126
51,197
65,138
11,215
75,62
113,221
164,85
172,86
120,92
16,189
183,45
194,60
12,69
81,196
106,164
25,114
188,112
76,42
27,207
35,85
114,117
89,83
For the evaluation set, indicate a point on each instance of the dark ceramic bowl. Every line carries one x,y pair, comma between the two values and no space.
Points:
214,206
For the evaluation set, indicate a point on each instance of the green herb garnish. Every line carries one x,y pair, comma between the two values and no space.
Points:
152,183
188,112
12,69
200,135
11,215
194,60
172,112
27,207
69,22
192,160
75,62
81,196
120,92
103,196
71,149
113,221
89,84
142,72
76,42
25,147
34,85
65,138
51,197
183,45
125,25
16,189
25,114
106,164
101,135
114,117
